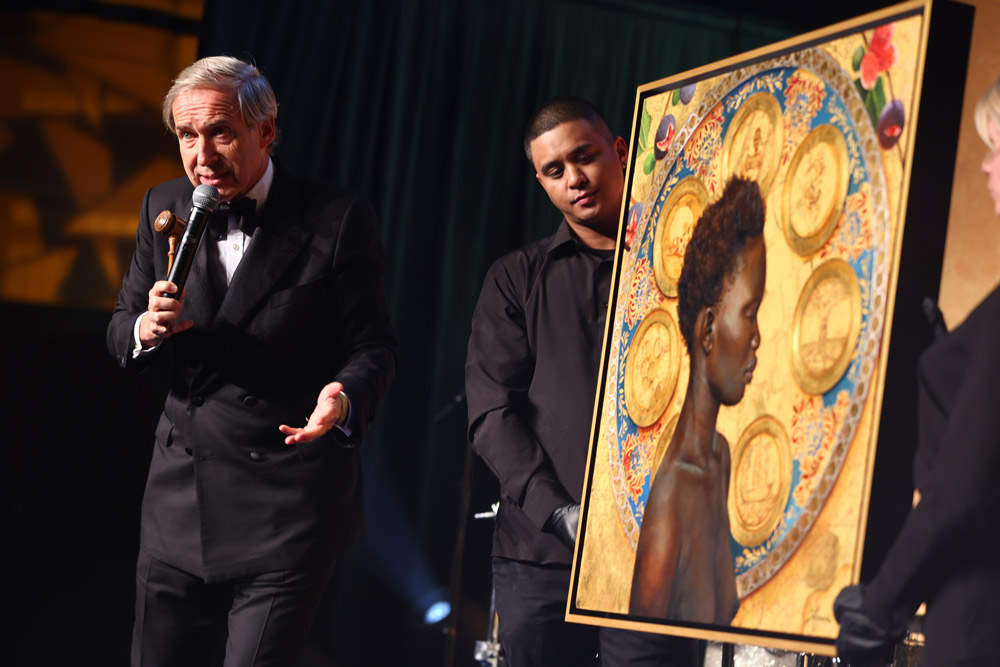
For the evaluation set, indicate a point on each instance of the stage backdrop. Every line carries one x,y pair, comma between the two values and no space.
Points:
826,126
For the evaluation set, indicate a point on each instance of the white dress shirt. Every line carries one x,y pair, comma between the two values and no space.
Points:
224,254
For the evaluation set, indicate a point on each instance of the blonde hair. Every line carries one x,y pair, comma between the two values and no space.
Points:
988,112
252,90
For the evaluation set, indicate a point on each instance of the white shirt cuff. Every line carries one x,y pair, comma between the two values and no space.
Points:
138,350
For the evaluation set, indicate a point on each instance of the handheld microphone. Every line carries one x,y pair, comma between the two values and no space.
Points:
204,201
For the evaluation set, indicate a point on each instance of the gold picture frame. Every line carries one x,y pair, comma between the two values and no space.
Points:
841,131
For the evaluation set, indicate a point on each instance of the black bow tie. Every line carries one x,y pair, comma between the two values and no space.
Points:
245,210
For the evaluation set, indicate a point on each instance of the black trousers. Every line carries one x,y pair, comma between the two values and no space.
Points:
531,605
261,620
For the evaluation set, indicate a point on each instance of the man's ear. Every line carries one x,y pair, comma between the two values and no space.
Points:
621,148
704,329
267,132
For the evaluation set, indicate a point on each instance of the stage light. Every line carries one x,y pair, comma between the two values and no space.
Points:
434,606
437,612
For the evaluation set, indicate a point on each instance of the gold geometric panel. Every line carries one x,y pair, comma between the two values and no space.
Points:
38,280
84,160
87,112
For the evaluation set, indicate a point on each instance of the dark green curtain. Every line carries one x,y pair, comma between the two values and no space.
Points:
420,105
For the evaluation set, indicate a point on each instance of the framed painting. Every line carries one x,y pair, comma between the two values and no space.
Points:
744,376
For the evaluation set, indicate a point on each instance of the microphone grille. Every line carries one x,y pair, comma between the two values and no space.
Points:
206,197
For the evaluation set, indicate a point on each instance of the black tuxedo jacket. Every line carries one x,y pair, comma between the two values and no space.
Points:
225,497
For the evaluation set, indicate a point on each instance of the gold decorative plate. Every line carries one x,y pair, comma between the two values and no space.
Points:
679,215
815,188
651,367
761,479
825,326
753,141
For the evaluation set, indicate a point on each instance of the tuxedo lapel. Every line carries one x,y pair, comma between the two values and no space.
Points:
201,283
266,260
276,243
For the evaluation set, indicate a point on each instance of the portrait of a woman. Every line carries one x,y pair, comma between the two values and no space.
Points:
683,566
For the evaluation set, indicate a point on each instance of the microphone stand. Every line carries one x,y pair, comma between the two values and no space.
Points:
487,653
458,553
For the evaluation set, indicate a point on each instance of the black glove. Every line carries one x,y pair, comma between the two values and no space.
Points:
861,642
563,522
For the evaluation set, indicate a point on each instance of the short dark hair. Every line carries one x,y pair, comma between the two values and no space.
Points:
713,253
561,110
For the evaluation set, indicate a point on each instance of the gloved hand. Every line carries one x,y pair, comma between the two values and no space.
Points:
861,642
563,522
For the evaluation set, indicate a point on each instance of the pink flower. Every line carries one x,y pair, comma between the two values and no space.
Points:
880,57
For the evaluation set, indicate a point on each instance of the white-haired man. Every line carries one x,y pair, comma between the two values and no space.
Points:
244,515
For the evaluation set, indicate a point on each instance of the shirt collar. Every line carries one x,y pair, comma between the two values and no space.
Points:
262,187
562,236
564,240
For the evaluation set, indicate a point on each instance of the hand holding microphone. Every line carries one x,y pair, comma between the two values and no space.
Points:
166,296
204,201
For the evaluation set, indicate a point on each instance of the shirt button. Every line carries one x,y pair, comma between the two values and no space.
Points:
236,246
256,456
197,401
249,401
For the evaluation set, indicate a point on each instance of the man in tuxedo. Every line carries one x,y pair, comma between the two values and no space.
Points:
246,510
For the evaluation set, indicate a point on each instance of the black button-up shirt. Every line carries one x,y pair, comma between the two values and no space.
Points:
531,380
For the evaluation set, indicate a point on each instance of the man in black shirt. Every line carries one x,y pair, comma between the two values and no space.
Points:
531,377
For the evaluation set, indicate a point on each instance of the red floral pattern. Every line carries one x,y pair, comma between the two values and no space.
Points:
705,146
804,98
637,290
635,466
814,433
855,224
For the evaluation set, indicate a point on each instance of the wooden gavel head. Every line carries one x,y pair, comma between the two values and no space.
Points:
173,228
169,224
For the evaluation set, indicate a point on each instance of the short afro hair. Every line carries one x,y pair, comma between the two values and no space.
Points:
561,110
713,254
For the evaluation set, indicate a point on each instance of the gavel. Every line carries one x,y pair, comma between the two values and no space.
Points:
173,228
